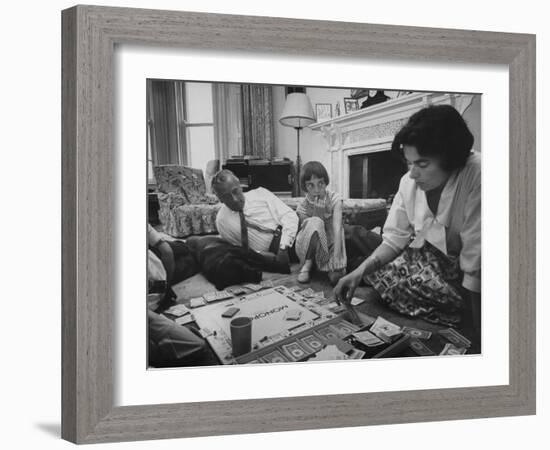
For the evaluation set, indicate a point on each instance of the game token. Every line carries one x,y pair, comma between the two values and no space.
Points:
293,314
236,290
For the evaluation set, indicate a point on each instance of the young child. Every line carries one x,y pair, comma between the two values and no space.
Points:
320,240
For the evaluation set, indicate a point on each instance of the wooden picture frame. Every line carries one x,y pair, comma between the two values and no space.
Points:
90,34
350,105
323,111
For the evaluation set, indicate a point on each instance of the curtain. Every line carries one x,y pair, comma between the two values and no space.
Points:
257,107
162,123
228,120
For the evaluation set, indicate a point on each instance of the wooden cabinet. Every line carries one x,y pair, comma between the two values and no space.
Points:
277,176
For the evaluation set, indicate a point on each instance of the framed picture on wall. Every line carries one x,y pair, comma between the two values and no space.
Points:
108,395
323,111
350,105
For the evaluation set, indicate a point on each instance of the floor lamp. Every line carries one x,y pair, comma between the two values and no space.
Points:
297,113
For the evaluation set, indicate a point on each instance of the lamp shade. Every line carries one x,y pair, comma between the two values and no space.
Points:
298,112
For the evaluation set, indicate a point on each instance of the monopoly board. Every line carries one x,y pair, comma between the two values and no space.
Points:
270,311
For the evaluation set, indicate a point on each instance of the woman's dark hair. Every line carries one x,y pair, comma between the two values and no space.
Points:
437,131
310,169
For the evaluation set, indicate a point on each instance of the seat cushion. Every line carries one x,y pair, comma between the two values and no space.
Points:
186,220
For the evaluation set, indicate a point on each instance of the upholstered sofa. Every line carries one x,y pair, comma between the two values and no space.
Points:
185,208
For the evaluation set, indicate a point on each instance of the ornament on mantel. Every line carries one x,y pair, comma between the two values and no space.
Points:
337,109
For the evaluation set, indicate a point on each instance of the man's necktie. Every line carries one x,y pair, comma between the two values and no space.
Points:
244,230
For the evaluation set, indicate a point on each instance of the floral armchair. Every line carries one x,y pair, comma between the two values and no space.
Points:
184,206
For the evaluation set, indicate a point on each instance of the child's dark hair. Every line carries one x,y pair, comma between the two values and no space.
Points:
437,131
310,169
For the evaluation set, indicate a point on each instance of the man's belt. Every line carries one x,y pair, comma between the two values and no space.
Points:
277,233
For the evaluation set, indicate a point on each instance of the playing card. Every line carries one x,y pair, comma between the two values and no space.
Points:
327,333
356,354
266,284
294,351
417,333
385,329
217,295
294,288
308,293
274,357
420,348
343,346
312,342
253,287
356,301
344,328
321,301
455,337
196,302
335,307
466,341
188,318
295,297
367,338
177,310
329,353
450,349
281,289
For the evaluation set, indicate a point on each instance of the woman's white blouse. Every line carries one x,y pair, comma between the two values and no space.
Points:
455,229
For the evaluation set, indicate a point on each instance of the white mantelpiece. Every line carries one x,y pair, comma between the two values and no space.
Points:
372,129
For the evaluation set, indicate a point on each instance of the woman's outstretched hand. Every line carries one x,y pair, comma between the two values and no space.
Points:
345,288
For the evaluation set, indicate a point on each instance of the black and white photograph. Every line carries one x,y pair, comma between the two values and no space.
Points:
275,238
323,111
350,105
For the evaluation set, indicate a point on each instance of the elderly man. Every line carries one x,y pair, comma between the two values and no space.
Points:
256,219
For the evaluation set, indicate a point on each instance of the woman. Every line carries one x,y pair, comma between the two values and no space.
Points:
429,262
320,240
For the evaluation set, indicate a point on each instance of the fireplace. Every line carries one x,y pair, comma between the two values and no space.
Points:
361,164
375,175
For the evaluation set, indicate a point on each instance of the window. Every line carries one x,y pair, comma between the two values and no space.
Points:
198,124
180,125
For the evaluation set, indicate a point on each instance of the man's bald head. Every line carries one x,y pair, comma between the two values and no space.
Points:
227,188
